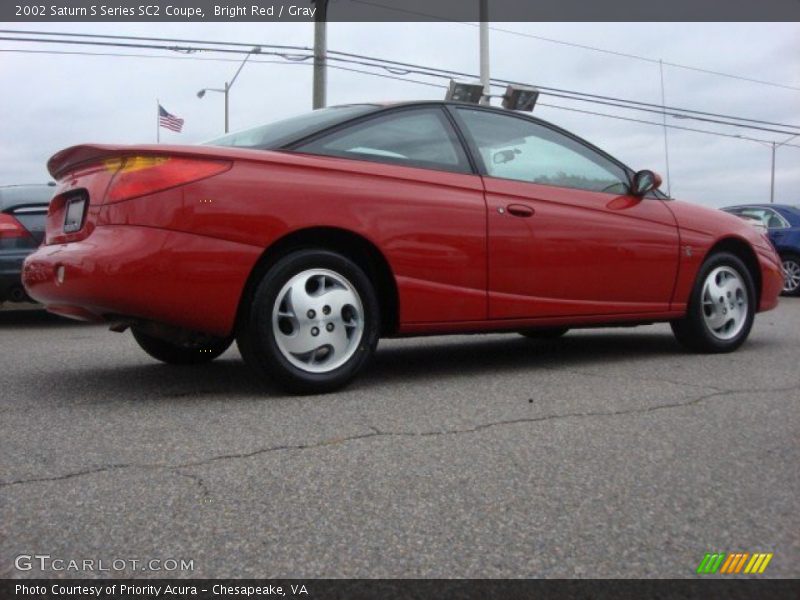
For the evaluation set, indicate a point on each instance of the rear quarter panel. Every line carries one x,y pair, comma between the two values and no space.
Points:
429,225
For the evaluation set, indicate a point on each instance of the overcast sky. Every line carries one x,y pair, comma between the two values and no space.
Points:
53,101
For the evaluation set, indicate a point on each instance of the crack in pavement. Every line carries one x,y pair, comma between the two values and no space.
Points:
376,432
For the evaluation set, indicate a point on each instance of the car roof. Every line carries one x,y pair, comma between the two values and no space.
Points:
496,109
12,196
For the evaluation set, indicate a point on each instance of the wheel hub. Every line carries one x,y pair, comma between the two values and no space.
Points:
318,320
725,303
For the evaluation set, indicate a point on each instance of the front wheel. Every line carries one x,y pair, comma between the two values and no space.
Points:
181,354
721,308
791,274
312,324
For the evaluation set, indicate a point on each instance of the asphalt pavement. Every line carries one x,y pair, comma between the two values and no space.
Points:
608,453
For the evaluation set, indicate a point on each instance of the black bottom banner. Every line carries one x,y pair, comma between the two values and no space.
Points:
416,589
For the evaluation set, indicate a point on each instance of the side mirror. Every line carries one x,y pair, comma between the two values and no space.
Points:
645,182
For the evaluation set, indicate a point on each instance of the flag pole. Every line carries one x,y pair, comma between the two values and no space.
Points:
158,123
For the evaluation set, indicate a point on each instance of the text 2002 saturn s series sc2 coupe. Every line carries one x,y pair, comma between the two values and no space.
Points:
308,239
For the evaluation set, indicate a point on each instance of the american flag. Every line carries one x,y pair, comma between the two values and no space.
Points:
169,121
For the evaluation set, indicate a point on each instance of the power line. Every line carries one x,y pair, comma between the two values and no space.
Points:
542,38
282,61
436,72
151,39
296,58
394,77
407,68
692,129
638,57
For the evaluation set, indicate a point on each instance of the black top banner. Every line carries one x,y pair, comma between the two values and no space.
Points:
398,10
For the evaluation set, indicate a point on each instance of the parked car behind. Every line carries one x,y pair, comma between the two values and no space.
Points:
783,225
755,222
23,215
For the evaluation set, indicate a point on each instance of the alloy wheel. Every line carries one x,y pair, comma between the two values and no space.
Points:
725,302
791,272
318,320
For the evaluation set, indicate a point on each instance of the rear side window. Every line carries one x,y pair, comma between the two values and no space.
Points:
415,138
276,134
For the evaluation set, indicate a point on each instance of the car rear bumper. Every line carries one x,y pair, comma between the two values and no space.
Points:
10,274
147,273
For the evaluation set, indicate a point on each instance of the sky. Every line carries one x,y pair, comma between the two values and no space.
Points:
52,101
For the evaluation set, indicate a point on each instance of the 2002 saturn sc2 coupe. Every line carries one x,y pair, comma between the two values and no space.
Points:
308,239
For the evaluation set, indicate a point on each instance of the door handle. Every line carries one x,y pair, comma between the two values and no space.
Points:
520,210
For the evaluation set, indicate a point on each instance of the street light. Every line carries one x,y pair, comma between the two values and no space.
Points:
228,85
520,97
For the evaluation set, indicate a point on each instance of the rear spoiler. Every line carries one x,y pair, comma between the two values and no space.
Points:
74,157
66,160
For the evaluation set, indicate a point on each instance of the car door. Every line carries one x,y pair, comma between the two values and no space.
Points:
408,185
565,238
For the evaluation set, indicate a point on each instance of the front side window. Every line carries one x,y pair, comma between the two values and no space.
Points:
415,138
515,148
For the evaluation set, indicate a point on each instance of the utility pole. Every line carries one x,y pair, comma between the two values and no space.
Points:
483,15
773,146
320,50
227,104
772,177
664,120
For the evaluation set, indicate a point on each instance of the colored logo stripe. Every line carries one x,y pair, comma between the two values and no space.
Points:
734,563
758,563
710,563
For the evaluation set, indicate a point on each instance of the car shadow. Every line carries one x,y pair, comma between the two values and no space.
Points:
229,378
493,354
35,317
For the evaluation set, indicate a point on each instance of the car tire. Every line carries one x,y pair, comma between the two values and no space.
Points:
791,269
549,333
312,323
177,354
721,307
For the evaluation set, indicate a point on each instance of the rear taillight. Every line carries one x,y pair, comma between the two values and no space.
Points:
139,175
11,228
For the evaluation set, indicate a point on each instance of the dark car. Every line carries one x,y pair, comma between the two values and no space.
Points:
23,212
783,225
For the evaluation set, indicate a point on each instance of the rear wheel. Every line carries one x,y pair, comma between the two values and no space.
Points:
180,354
791,273
549,333
721,307
312,324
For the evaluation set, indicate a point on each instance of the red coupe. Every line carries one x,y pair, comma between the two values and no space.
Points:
308,239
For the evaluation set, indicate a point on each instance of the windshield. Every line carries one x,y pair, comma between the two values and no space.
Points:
278,134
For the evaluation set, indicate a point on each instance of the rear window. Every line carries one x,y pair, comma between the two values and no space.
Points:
275,135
